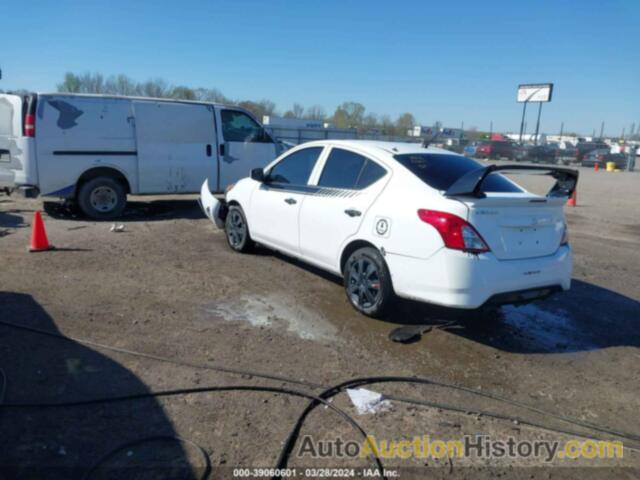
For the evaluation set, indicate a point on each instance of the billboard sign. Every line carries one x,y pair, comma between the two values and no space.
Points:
535,92
438,132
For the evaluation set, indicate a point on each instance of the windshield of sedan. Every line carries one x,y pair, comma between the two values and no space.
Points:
441,170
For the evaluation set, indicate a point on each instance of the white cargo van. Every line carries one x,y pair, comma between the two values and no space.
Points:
96,149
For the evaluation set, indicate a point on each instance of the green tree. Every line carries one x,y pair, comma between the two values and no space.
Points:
259,109
349,115
183,93
70,84
404,123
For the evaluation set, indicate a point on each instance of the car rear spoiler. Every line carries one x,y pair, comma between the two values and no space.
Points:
470,184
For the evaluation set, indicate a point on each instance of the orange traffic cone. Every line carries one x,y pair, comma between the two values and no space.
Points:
596,167
573,199
39,241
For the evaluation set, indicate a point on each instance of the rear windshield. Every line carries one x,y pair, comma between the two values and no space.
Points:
440,171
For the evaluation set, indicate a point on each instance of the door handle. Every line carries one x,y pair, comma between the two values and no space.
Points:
208,150
222,150
291,201
353,213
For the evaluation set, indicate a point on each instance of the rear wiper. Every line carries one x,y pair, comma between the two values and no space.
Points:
470,184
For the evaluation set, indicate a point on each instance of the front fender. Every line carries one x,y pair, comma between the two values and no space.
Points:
214,209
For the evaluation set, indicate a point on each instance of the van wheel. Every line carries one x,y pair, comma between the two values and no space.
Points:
102,198
237,230
367,282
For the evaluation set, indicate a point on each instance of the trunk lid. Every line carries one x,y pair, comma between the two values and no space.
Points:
518,225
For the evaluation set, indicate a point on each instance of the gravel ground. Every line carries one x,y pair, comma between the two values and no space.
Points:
169,286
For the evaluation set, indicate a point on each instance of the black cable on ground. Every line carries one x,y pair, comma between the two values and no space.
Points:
540,426
155,438
268,376
358,382
187,391
217,368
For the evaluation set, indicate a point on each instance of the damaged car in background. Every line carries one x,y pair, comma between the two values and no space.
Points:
401,220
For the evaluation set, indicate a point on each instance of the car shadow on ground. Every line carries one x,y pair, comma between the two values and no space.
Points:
136,210
63,442
587,317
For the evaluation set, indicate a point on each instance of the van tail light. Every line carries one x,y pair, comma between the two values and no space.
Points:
456,233
29,125
565,235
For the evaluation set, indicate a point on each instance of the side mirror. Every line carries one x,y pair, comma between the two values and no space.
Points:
257,174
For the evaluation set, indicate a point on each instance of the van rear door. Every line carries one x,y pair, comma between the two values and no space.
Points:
176,146
15,161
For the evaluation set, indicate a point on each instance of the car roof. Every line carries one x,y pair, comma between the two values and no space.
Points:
375,147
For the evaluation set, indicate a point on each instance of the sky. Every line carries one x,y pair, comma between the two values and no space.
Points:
449,61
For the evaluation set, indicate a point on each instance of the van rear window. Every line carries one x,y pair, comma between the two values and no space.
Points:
440,171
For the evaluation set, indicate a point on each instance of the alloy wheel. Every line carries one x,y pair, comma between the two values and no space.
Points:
364,283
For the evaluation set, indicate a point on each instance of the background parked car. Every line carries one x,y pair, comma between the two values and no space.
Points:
602,157
470,150
499,149
567,155
540,154
586,147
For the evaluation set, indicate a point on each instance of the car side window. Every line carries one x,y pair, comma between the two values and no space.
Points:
345,169
296,168
370,174
341,169
237,126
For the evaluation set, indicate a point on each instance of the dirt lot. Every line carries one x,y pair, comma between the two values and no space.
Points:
169,286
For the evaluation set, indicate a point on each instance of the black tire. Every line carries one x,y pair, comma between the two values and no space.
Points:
236,230
367,282
102,198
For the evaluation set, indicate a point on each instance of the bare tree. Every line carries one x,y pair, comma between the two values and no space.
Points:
315,112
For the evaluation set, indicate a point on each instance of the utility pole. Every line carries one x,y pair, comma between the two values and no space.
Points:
602,129
490,129
561,129
622,133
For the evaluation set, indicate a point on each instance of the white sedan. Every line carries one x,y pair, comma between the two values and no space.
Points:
398,219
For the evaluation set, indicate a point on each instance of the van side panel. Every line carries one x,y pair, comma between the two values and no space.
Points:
176,146
17,152
75,134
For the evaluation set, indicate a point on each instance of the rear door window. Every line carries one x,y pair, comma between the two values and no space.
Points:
440,171
345,169
371,173
296,168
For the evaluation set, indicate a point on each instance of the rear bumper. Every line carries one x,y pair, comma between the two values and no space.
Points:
456,279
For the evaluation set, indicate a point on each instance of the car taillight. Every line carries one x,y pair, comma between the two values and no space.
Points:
565,235
29,125
456,233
